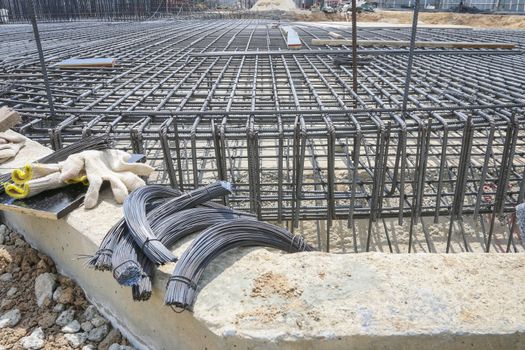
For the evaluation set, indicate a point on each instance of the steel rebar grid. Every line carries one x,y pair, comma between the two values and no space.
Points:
288,130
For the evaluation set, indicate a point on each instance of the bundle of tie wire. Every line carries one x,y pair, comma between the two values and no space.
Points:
157,217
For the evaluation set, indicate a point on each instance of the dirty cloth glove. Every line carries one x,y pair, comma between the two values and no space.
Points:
109,165
38,185
88,167
10,144
33,171
35,186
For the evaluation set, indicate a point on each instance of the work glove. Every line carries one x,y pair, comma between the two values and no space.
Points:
38,185
33,171
89,167
10,145
109,165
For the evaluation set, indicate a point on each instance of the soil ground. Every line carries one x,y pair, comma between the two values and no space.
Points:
429,18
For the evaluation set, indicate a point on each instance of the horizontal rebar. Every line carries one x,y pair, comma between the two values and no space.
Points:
205,101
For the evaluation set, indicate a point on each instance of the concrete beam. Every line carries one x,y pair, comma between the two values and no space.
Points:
262,299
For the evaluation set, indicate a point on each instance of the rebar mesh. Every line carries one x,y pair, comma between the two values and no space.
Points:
289,131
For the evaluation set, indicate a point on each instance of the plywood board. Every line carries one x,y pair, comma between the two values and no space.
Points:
292,38
335,35
87,62
431,44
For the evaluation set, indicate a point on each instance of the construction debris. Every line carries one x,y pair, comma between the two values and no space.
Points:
8,118
274,5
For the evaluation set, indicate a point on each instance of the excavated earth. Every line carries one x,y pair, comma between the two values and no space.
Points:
425,18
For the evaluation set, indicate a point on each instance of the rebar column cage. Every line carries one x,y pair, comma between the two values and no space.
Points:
287,129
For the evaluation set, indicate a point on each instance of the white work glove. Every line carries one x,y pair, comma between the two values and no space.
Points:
33,171
35,186
109,165
10,145
89,167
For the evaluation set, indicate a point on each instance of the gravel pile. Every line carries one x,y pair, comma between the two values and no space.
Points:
40,309
274,5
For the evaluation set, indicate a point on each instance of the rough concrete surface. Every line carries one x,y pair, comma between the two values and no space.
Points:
323,296
261,299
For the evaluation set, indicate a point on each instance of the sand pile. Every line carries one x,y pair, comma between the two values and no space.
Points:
274,5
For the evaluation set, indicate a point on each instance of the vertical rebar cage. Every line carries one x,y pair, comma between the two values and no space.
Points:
287,128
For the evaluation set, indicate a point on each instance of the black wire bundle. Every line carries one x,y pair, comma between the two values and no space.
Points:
89,143
143,289
163,216
126,266
190,221
127,269
101,260
140,222
217,239
169,232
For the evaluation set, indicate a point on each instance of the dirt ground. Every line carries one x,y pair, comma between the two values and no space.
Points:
65,320
434,18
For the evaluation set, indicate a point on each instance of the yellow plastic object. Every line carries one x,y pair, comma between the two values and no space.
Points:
21,176
17,192
83,179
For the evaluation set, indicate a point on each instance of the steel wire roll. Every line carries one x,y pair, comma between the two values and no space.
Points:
143,289
132,268
136,216
89,143
177,227
127,269
101,260
217,239
190,221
